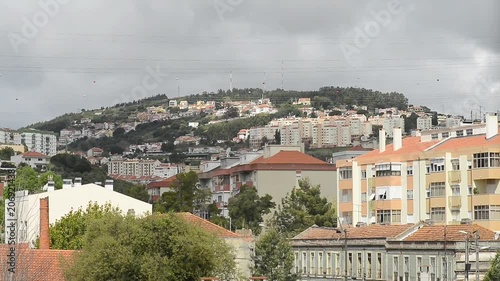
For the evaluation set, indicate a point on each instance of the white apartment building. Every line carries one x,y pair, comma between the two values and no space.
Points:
167,170
453,122
424,123
391,122
256,134
37,141
132,167
291,135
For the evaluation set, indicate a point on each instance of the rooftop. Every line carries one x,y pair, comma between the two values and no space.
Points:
33,154
467,141
374,231
208,226
449,233
288,157
163,183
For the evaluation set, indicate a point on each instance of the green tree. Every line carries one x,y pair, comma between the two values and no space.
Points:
277,137
27,178
335,113
493,273
274,257
435,121
68,232
185,196
302,208
411,122
44,178
247,208
6,153
157,247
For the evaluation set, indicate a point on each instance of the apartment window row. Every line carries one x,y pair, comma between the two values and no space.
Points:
486,160
437,189
437,165
345,173
487,212
385,170
388,216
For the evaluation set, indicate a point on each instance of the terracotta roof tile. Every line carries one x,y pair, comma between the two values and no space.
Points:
437,233
374,231
409,145
208,226
163,183
454,144
35,265
289,157
33,154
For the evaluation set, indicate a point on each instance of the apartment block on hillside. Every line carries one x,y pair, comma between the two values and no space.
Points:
447,177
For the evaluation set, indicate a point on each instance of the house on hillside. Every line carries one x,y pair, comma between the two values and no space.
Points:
35,160
157,188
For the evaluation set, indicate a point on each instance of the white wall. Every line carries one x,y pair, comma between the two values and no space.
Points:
62,201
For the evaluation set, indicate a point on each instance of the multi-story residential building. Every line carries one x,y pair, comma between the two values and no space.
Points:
290,135
391,122
393,252
132,167
38,141
167,170
34,159
257,134
275,171
424,123
453,122
447,178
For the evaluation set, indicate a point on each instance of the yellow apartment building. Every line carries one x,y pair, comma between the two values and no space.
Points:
443,176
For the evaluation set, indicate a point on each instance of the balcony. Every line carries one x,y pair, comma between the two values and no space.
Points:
485,173
454,177
455,202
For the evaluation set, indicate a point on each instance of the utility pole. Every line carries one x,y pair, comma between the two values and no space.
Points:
345,254
467,266
477,254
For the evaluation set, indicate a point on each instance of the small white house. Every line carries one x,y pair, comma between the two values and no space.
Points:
35,160
62,201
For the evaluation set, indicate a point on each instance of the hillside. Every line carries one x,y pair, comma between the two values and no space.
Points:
324,98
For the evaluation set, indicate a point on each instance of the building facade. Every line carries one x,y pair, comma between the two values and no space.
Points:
394,252
132,167
37,141
446,179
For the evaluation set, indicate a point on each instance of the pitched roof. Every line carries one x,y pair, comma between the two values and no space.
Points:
34,265
409,145
33,154
163,183
374,231
288,157
437,233
453,144
208,226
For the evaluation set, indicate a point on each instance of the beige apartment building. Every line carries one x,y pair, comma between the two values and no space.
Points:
446,177
133,167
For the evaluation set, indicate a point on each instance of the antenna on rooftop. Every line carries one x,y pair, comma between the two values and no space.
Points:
231,80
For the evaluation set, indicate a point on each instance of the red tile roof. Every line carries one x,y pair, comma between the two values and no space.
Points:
288,157
208,226
454,144
409,145
437,233
36,265
33,154
163,183
374,231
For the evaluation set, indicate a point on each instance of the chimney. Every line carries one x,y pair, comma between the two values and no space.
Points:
44,223
397,138
381,140
109,185
491,125
78,182
50,186
67,183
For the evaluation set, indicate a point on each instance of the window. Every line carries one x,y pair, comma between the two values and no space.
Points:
337,264
349,265
312,266
396,216
219,198
469,165
434,136
433,268
395,268
409,194
360,265
363,197
469,132
379,266
363,174
438,214
320,263
329,263
419,267
480,160
428,169
407,268
444,265
368,266
485,212
346,196
437,189
455,190
455,165
460,133
345,173
409,170
304,263
494,159
386,170
445,135
296,258
437,165
383,216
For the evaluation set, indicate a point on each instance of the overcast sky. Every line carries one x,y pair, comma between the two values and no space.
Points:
87,54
